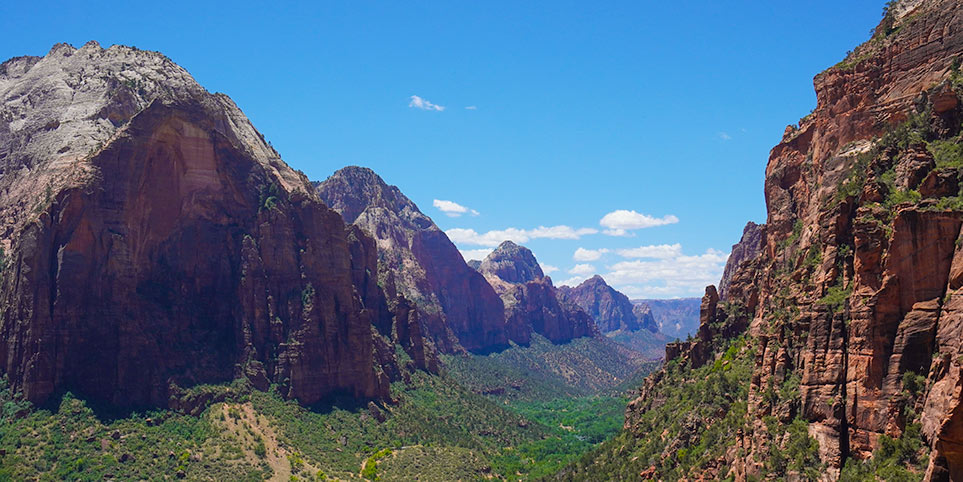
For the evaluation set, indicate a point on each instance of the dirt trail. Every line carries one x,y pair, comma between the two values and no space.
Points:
241,421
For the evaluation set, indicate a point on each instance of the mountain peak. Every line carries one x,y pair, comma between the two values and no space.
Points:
353,190
455,303
512,263
611,309
595,280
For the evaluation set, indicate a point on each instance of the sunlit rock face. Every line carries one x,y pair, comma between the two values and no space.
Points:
456,306
852,283
532,303
611,310
153,240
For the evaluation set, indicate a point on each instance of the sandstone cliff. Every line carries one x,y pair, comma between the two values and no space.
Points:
850,308
748,248
455,304
152,239
532,303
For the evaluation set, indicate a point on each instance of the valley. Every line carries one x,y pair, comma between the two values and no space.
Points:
179,302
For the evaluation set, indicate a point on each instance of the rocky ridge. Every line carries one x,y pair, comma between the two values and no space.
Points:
153,240
851,307
532,303
454,303
611,310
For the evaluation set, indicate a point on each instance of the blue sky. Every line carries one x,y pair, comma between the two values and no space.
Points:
555,114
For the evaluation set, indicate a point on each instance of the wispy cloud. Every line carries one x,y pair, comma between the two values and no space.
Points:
582,254
452,209
620,222
495,237
424,104
725,136
547,268
471,107
661,251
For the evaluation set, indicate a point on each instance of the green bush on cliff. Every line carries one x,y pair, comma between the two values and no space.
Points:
836,297
946,153
800,453
895,459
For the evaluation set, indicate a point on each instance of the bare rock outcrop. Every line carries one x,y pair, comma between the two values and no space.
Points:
611,310
153,240
454,303
532,303
748,248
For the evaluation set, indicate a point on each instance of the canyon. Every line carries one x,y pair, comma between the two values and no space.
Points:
841,310
175,298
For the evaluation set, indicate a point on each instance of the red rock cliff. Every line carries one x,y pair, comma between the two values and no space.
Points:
851,290
153,239
855,288
455,304
532,303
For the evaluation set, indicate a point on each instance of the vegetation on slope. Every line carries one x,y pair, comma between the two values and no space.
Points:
436,429
695,416
545,371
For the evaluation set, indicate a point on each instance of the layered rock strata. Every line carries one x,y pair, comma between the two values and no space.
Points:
456,306
532,303
853,293
152,239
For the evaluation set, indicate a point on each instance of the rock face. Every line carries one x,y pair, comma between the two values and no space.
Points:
610,309
854,290
532,303
643,313
748,248
512,263
455,304
152,239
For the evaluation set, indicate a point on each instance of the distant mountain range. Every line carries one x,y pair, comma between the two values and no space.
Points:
676,318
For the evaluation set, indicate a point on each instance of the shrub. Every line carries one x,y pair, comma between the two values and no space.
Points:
914,383
259,449
947,154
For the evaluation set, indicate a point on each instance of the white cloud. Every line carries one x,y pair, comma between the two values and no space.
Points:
573,281
471,107
660,251
479,254
423,104
582,269
725,136
496,237
621,221
547,268
452,209
582,254
674,276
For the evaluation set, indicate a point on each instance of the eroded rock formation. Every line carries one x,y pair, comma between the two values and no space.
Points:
455,304
153,239
610,309
532,303
853,294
